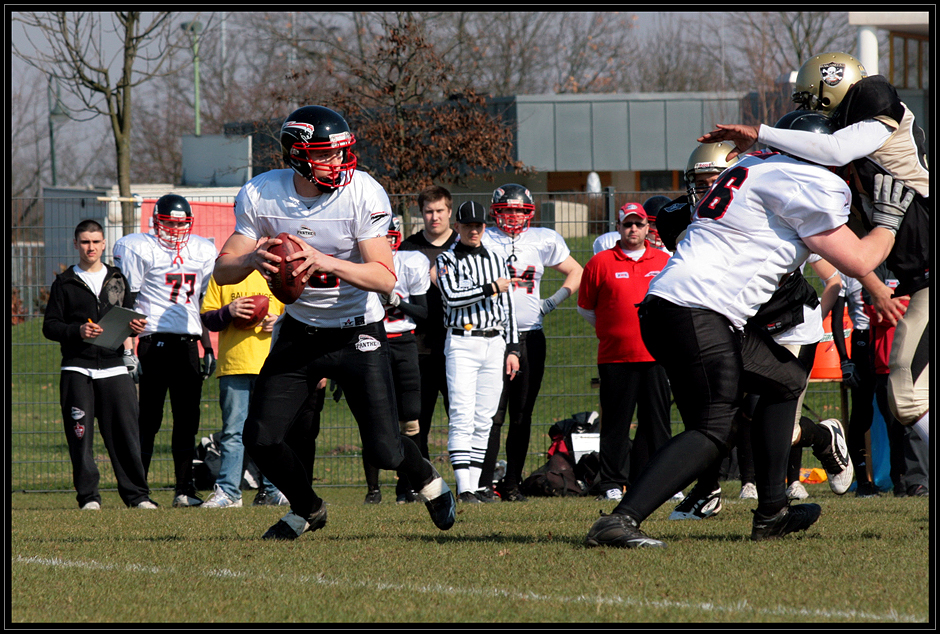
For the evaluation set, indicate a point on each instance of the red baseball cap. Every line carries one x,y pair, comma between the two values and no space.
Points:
632,209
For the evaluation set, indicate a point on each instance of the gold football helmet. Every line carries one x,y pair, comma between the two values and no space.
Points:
823,80
706,159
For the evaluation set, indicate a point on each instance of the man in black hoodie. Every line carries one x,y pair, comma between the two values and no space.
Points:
96,381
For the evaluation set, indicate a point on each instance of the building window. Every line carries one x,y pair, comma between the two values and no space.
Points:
658,181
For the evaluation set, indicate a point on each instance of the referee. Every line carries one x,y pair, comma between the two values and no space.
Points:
479,317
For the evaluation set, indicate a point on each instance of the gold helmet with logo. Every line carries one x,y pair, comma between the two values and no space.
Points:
707,158
823,80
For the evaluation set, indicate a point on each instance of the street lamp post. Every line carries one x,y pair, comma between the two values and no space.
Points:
194,29
57,114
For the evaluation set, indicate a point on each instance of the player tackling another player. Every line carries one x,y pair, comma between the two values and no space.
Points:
335,328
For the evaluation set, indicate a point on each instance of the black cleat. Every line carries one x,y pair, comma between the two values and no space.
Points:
487,495
788,520
292,526
620,531
512,494
374,496
468,497
439,500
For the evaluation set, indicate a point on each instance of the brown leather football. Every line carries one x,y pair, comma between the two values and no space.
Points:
258,313
283,285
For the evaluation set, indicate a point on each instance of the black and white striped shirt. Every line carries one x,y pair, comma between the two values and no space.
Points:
466,277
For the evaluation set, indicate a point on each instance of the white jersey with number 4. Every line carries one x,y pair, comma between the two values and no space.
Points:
169,293
534,250
333,224
746,234
414,278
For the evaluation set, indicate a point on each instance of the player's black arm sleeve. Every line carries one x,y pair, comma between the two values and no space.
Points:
416,307
838,309
217,320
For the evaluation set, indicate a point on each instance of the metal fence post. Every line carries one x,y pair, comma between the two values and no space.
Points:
611,208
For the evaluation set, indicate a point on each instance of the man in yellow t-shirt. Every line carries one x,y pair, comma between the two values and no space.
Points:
241,355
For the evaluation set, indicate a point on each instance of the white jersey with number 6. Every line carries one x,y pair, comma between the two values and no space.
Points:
745,234
333,224
169,293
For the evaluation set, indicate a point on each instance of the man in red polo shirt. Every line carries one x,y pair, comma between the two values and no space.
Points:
613,283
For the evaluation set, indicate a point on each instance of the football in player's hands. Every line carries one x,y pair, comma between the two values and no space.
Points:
258,313
283,284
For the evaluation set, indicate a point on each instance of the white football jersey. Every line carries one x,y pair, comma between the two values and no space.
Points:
528,255
334,224
169,293
746,234
414,278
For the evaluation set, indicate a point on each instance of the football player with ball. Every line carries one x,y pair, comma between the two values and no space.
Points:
336,218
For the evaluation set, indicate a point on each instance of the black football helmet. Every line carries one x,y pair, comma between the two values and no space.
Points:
512,208
805,120
653,204
172,208
395,232
317,129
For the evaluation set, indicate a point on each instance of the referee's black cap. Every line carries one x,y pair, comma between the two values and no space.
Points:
470,212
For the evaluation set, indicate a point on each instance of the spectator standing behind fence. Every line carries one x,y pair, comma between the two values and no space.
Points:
482,339
613,283
168,271
529,252
437,236
405,306
241,354
96,382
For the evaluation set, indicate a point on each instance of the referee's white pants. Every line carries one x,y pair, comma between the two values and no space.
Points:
475,367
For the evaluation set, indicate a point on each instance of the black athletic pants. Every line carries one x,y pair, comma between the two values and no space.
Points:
710,365
403,355
113,401
170,363
357,358
625,388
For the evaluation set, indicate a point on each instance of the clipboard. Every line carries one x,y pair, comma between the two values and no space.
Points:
116,327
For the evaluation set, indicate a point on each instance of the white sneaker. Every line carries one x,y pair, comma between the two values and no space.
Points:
220,500
146,504
835,458
748,491
611,495
797,491
277,499
183,500
91,506
698,505
678,497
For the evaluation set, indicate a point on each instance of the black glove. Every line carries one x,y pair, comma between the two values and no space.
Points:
336,389
208,364
133,365
850,376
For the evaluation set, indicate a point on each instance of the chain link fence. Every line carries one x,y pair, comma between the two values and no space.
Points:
42,246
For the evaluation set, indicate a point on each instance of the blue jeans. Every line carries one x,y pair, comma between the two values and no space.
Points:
234,395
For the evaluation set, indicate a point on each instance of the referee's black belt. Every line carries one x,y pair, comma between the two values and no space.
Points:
168,337
475,333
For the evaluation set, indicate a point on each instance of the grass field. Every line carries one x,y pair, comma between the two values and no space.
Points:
864,561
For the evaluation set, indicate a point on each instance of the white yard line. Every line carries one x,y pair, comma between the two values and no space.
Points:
741,607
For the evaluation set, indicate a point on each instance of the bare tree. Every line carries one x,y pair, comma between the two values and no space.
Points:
767,46
74,48
409,135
